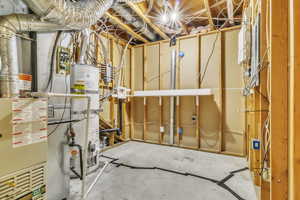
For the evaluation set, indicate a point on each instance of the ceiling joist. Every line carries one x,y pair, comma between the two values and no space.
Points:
139,12
209,15
125,27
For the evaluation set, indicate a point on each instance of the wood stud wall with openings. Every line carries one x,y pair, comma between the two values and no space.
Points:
273,108
109,116
209,123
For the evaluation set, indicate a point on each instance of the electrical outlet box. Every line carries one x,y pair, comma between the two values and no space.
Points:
256,144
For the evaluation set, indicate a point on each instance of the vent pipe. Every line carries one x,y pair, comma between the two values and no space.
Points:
10,26
137,23
53,15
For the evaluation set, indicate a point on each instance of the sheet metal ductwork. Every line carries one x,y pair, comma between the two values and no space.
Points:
52,15
125,13
76,15
10,26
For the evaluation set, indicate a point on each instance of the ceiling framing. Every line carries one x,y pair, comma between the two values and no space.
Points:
203,13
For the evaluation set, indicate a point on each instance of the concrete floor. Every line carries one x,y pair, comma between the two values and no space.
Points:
121,183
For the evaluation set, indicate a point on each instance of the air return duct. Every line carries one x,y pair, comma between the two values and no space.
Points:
73,14
53,15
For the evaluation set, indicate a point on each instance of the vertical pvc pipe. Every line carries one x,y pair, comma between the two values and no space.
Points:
172,99
85,150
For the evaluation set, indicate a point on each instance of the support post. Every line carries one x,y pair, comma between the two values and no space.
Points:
279,100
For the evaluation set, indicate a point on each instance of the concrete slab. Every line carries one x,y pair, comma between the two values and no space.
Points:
121,183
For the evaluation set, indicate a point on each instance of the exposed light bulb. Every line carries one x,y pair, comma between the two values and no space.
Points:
174,16
164,18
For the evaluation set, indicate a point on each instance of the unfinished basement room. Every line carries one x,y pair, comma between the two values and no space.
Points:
149,99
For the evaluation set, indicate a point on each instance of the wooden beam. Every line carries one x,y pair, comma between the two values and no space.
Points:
263,89
213,6
209,15
125,27
139,12
279,99
120,41
294,107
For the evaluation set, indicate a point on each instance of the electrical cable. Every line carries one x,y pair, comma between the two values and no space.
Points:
221,183
50,78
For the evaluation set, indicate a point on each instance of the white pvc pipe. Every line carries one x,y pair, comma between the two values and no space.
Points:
87,127
96,180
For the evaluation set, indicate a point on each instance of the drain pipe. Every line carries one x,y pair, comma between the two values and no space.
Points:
10,26
84,45
172,99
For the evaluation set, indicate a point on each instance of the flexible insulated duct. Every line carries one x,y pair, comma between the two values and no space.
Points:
10,26
137,23
53,15
79,15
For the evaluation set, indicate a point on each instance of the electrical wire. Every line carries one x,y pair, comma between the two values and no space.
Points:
50,78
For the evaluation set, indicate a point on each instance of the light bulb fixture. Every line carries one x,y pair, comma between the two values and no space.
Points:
174,16
164,18
170,18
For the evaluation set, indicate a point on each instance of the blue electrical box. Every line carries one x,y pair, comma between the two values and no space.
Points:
256,144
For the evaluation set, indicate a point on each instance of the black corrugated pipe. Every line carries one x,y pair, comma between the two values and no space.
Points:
111,131
34,68
81,161
120,116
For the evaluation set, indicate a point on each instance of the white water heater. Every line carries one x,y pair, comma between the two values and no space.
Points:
85,80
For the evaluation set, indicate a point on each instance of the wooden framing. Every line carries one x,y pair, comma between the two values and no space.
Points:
125,27
117,40
138,11
209,15
263,102
294,107
192,129
279,100
194,35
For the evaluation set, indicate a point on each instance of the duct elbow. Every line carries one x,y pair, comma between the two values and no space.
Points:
74,15
8,27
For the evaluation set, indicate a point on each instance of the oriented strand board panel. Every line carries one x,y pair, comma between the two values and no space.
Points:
188,78
151,82
126,121
165,66
153,116
189,64
151,67
234,102
187,122
127,69
105,106
138,69
210,106
166,119
138,118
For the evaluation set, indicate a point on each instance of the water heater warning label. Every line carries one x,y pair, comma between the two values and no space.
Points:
29,120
